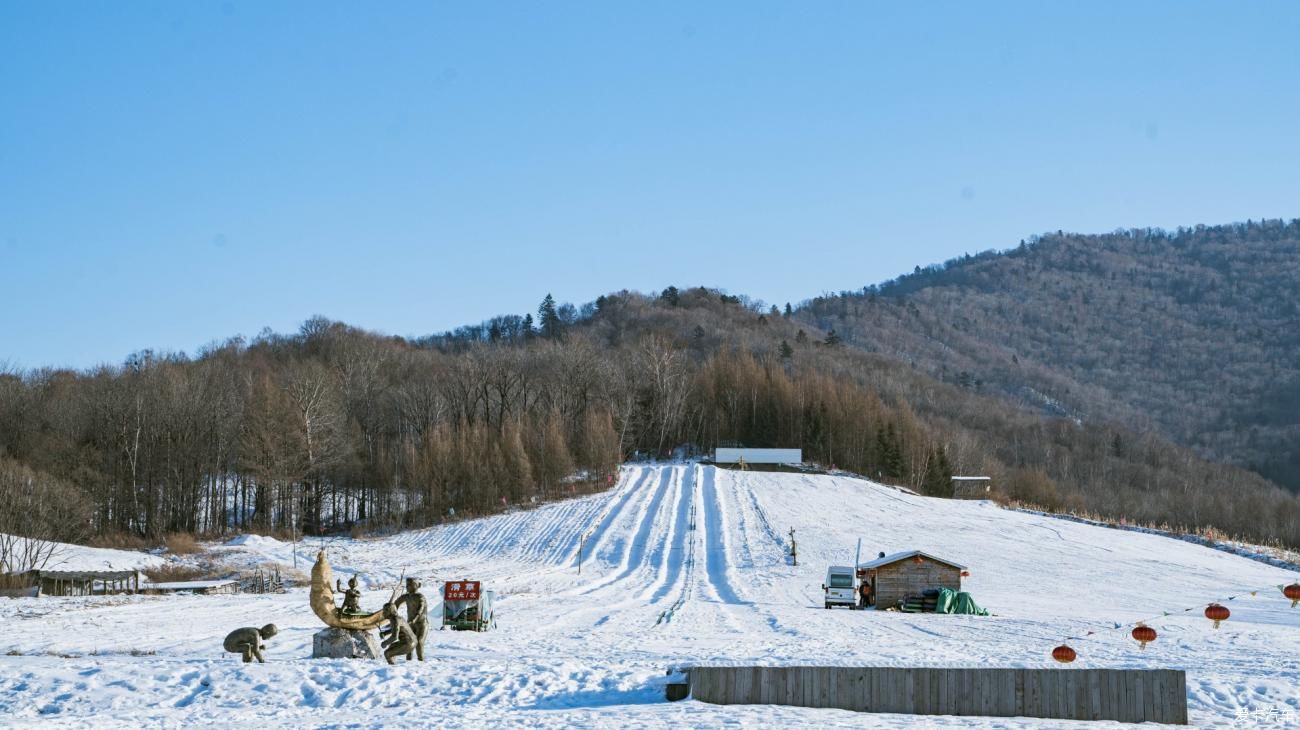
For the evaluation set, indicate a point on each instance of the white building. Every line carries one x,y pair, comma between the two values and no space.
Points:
758,456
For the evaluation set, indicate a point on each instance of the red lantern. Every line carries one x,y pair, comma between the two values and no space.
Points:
1144,634
1063,654
1217,613
1293,592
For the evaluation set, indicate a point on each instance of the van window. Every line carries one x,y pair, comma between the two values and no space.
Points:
839,580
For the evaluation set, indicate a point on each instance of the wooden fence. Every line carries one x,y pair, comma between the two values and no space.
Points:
1124,695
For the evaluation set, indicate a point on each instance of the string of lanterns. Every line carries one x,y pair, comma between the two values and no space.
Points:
1143,634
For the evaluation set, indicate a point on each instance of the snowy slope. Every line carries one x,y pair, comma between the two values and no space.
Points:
681,564
63,556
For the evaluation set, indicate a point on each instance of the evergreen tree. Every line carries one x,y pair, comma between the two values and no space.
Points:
548,319
890,450
788,310
494,333
801,338
527,327
774,311
698,334
787,352
670,296
832,339
938,480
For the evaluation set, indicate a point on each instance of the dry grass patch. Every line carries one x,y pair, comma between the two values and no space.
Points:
182,543
176,572
120,541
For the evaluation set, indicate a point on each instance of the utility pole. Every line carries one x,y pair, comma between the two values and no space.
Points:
794,550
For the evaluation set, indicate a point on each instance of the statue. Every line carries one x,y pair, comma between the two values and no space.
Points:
322,601
351,597
417,614
399,637
248,642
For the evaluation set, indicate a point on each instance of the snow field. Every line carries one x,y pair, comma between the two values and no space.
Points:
681,564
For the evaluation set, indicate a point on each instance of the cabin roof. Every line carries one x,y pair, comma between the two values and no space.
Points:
891,559
83,574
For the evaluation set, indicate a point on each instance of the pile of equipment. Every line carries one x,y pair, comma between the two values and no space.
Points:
942,600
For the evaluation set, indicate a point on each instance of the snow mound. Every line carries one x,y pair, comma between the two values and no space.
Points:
256,542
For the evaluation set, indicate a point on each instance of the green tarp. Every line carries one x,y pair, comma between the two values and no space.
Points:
951,601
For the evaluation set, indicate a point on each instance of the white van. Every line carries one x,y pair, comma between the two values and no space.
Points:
840,587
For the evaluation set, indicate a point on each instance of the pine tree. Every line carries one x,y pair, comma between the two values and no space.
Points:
527,327
671,296
494,333
801,338
938,480
787,352
832,339
548,319
788,310
890,450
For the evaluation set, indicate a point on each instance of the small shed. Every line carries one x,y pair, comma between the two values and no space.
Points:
972,487
911,573
84,582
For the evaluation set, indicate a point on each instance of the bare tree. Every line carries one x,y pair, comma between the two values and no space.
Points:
37,513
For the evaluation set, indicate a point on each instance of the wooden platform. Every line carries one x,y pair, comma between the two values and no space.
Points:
1124,695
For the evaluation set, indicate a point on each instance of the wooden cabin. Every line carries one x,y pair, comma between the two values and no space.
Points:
911,573
972,487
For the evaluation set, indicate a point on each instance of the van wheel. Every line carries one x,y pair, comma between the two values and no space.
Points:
828,607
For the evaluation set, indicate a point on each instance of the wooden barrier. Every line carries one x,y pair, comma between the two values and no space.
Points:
1124,695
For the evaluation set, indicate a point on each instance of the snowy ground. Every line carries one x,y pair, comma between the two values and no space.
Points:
683,564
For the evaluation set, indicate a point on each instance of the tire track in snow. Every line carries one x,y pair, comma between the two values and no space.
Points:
687,562
634,554
598,533
561,532
716,564
615,548
542,534
761,549
772,534
669,556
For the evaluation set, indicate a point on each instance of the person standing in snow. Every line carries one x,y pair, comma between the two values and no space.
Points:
864,594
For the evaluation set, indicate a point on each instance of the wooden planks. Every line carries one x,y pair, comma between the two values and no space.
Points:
1125,695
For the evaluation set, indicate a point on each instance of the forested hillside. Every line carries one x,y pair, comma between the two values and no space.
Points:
1195,333
334,427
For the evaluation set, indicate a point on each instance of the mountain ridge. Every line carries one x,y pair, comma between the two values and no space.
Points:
1194,333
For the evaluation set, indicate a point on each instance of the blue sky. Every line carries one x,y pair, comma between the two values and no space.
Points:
176,173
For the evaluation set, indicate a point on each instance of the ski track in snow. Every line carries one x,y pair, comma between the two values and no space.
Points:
681,564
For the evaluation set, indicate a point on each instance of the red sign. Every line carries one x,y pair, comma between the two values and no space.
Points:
460,590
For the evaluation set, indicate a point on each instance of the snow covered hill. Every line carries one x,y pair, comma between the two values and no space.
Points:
681,564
